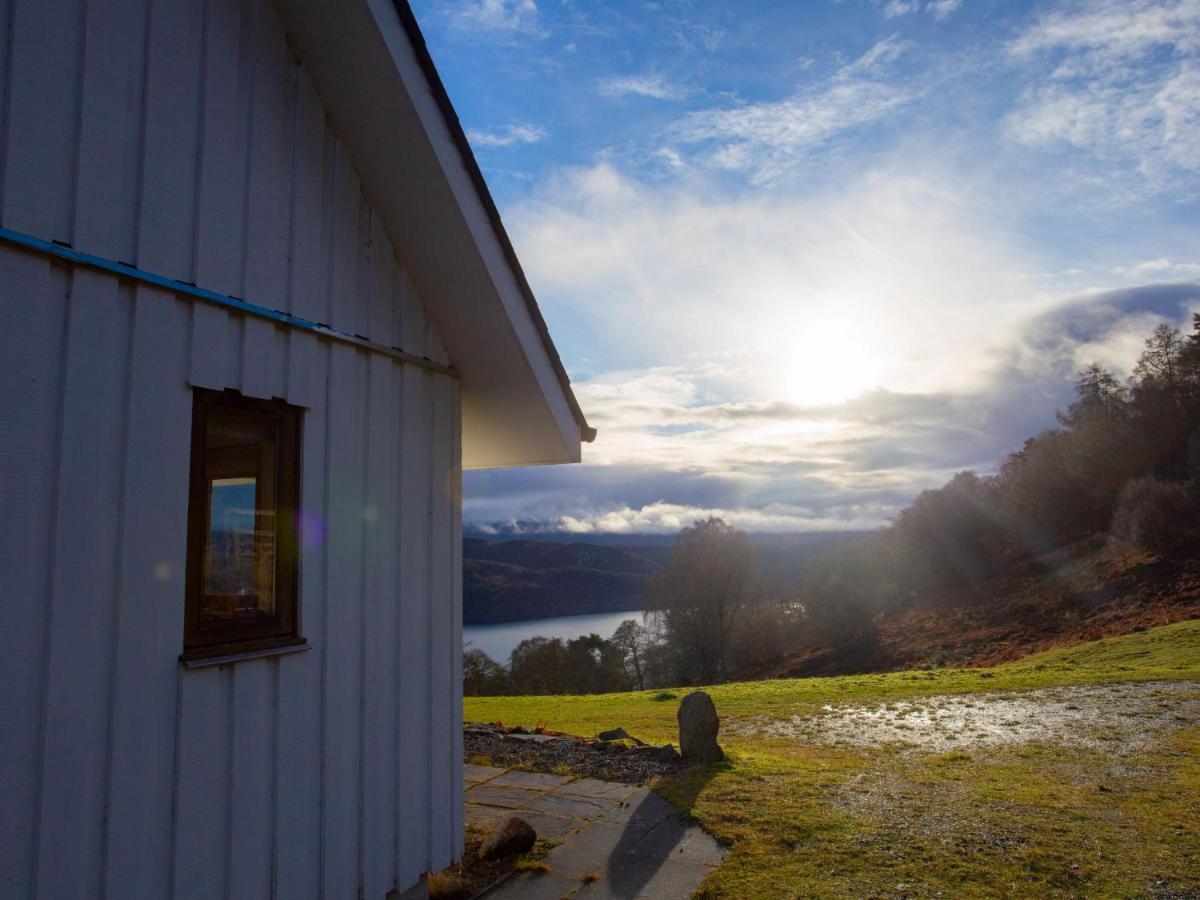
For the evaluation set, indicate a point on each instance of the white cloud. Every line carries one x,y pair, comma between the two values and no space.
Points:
1116,29
943,9
497,17
1160,269
653,86
895,8
668,518
692,35
1123,84
766,140
816,294
509,135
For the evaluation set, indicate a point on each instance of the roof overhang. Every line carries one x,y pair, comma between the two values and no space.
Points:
386,103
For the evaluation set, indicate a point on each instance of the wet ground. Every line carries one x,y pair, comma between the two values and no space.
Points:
1126,714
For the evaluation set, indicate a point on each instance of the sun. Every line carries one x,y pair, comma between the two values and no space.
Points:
825,360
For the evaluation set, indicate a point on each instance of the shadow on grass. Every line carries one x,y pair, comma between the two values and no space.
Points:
683,789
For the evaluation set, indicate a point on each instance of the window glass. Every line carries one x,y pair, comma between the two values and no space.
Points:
239,557
242,544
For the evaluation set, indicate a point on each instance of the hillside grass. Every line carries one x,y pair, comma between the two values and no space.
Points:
1025,820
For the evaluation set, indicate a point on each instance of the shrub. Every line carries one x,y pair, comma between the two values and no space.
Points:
1156,515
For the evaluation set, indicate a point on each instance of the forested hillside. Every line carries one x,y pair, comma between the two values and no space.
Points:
1090,528
516,579
508,581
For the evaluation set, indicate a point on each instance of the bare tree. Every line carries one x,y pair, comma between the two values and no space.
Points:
631,638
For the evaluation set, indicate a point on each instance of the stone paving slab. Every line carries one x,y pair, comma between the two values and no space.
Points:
478,814
499,795
643,809
615,840
593,787
639,878
474,774
679,842
542,781
551,827
576,807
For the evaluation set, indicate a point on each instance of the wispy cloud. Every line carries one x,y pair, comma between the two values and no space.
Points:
507,136
1160,268
496,17
698,35
1123,84
653,86
895,8
765,140
943,9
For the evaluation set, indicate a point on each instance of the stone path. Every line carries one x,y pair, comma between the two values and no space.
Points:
614,840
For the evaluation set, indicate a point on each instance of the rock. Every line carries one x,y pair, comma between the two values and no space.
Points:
510,837
666,753
698,726
609,746
613,734
526,738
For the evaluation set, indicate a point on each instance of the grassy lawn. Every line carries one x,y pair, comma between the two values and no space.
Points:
1034,819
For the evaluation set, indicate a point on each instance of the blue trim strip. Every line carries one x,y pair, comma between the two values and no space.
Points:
29,242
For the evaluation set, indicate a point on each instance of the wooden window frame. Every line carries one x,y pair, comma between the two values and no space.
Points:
280,630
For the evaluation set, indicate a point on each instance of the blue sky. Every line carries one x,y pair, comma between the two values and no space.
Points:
805,259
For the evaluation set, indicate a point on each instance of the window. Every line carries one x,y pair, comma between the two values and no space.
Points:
243,552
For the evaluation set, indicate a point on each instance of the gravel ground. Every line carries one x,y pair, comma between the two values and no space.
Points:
1108,715
538,754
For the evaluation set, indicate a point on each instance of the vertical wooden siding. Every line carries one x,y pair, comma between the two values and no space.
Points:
182,136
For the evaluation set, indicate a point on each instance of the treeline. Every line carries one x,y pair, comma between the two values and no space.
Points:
589,664
1123,461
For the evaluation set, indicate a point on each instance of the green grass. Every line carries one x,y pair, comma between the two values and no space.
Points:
1032,820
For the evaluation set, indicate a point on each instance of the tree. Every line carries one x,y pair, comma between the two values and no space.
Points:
1164,401
536,666
1098,395
709,579
593,666
1157,515
630,638
482,675
1161,364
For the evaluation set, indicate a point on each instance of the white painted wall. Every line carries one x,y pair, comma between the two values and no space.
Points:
182,137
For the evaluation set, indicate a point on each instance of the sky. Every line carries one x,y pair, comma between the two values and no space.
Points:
803,260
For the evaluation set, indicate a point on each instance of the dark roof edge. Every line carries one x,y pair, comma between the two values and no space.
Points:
425,61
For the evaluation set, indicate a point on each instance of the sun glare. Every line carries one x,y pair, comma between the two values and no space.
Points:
827,360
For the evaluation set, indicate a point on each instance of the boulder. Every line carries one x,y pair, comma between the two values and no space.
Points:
666,753
510,837
613,734
698,726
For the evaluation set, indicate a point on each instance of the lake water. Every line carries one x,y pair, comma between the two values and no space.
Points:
498,641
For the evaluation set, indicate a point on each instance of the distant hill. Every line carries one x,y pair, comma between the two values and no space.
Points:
509,578
510,581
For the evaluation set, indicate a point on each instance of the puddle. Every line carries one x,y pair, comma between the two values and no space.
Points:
1110,715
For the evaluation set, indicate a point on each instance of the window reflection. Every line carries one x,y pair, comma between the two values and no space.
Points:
239,557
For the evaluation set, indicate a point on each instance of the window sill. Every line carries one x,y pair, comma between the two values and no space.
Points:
224,656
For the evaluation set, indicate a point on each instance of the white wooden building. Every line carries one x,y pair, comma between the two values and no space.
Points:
258,313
